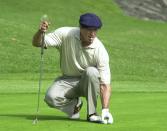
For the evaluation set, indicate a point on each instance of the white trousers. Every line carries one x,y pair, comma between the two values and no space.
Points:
65,91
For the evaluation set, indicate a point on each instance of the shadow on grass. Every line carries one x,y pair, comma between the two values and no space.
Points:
42,117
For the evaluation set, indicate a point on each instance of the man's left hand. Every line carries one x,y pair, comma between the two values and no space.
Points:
106,117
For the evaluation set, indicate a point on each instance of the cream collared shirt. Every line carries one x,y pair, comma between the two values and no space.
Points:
74,58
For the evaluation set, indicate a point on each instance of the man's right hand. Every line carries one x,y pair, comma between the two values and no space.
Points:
37,38
44,26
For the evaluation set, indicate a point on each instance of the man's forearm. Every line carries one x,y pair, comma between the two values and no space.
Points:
105,92
37,38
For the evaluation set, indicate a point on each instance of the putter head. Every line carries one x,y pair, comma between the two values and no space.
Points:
44,18
35,121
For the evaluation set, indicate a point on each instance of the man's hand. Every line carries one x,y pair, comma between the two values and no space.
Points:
106,117
44,26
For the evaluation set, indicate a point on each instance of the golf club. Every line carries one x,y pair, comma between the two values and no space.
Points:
35,121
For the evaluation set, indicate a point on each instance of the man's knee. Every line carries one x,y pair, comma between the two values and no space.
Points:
92,72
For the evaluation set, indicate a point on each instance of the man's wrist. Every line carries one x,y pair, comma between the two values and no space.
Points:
40,31
105,110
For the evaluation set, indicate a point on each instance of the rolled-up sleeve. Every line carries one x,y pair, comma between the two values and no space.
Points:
54,38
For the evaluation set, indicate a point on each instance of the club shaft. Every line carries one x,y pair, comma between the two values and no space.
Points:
40,75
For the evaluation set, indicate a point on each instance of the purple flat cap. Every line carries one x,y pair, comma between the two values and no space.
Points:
90,20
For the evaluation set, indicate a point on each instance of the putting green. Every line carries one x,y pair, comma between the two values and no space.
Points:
131,111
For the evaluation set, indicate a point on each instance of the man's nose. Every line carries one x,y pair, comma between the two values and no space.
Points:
92,33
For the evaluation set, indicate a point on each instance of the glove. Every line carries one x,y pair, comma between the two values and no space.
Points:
106,117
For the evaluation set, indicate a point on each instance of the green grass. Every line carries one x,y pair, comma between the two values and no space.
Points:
132,111
135,105
137,50
28,83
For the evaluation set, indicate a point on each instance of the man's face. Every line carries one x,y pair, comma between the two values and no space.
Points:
87,35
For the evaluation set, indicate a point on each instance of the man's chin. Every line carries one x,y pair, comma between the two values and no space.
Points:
90,41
